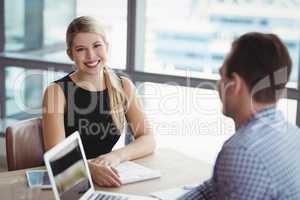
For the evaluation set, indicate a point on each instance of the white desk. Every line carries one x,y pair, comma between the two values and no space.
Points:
176,169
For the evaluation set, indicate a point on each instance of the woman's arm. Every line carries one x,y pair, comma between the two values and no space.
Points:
144,142
54,131
53,116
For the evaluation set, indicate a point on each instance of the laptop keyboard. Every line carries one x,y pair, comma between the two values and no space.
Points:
109,197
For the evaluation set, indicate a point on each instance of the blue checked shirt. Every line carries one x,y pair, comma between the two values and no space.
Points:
260,161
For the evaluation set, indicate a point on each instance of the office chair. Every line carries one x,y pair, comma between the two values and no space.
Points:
24,144
25,147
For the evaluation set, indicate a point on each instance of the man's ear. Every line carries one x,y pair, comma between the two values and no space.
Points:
69,53
237,83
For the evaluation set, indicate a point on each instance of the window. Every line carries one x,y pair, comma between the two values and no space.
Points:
14,28
24,90
195,35
37,28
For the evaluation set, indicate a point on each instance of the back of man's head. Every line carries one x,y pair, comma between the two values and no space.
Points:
264,63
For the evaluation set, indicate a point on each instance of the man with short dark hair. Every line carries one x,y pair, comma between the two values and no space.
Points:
261,160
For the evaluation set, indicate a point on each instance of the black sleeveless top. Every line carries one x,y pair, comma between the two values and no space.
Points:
88,113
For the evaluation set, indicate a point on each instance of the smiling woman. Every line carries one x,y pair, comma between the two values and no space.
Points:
89,49
96,102
89,52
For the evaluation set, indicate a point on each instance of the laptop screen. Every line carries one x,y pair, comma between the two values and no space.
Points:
70,173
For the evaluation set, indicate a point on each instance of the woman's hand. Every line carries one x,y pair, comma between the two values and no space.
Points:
104,175
112,159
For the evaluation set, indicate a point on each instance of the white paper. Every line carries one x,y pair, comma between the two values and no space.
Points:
169,194
131,172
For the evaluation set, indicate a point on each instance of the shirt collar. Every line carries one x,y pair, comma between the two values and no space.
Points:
269,112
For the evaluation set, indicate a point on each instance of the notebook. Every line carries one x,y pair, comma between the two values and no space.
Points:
169,194
70,176
131,172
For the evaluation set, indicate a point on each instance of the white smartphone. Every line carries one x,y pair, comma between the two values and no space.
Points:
38,179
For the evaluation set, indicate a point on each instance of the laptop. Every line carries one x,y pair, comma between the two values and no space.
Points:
70,176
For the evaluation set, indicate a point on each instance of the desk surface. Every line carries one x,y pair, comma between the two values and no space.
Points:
176,169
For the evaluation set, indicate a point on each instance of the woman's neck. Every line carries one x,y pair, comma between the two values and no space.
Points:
89,82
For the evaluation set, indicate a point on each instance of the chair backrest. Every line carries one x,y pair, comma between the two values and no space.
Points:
24,144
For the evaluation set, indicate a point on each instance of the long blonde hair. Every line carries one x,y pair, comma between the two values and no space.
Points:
117,98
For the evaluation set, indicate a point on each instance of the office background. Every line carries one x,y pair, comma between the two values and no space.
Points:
171,49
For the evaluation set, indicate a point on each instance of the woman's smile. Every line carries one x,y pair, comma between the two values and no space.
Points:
92,63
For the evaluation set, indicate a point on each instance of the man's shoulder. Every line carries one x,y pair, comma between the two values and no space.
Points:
261,137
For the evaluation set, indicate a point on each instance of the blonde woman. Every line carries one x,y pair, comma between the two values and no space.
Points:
96,102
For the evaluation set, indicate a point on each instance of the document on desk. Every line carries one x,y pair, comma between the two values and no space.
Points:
169,194
131,172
